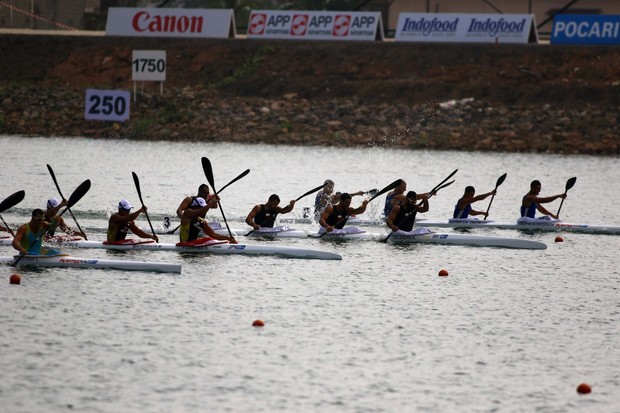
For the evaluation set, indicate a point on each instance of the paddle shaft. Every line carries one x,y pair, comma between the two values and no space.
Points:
136,181
499,181
51,171
7,226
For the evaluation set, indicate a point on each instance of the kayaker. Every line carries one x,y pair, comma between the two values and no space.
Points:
335,216
396,196
326,197
193,221
402,217
53,205
264,215
463,208
203,192
29,236
531,202
123,221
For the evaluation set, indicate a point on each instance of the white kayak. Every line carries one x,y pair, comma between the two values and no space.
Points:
423,235
214,247
529,224
65,260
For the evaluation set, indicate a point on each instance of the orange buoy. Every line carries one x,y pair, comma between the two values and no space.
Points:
443,273
258,323
15,279
584,388
559,239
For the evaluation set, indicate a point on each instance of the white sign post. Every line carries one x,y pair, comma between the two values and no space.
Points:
150,66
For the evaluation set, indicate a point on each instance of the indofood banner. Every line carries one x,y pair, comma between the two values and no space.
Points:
466,28
315,25
155,22
585,29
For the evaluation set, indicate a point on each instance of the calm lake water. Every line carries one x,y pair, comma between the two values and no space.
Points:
379,331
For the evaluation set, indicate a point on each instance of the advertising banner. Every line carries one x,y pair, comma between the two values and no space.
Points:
155,22
315,25
466,28
585,29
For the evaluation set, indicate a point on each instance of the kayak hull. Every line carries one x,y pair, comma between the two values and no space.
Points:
468,240
67,261
542,225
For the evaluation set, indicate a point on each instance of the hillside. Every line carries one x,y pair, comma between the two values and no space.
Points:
533,98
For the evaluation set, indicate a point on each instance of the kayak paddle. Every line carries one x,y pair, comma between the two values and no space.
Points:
500,181
136,181
49,168
10,202
569,184
208,170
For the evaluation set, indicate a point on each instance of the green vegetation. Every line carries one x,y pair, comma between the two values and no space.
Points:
246,69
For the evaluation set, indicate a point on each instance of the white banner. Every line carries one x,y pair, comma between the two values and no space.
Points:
155,22
110,105
148,65
466,28
315,25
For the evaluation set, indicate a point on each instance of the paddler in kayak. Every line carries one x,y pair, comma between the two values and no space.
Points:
29,237
336,216
264,215
326,197
203,192
463,208
402,217
123,221
193,221
53,205
531,202
397,196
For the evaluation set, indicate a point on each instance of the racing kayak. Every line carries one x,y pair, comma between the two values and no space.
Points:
424,235
65,260
282,231
347,233
529,224
206,245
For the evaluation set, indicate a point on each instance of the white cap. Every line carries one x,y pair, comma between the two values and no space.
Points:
124,204
52,203
199,202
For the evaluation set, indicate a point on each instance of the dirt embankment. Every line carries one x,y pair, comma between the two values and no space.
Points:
465,97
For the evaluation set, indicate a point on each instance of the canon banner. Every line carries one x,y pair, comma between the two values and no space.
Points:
586,29
466,28
315,25
154,22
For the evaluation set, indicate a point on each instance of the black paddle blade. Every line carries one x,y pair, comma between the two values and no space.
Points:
387,189
570,183
208,170
500,180
12,200
136,181
317,189
79,192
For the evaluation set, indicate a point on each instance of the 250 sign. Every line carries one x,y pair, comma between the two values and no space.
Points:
112,105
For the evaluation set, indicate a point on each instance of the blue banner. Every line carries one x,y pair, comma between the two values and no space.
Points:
585,29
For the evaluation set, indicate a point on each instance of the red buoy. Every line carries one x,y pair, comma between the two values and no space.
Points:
559,239
584,388
443,273
15,279
258,323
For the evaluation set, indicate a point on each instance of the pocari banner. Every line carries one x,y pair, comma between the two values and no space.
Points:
315,25
585,29
466,28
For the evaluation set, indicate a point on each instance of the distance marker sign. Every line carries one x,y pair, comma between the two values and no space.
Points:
112,105
148,65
